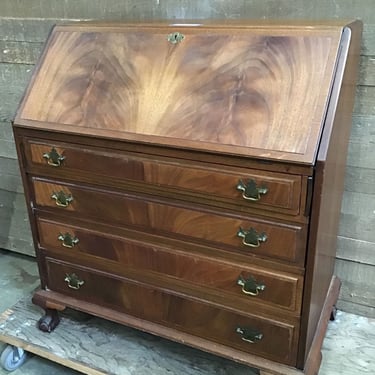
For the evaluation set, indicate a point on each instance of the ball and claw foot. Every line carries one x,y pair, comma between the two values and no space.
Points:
49,321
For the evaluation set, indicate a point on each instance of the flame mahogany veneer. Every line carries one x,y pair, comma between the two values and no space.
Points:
186,180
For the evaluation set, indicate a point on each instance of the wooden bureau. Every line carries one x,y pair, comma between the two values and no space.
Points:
186,180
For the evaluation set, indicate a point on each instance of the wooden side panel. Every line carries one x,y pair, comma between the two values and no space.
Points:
328,190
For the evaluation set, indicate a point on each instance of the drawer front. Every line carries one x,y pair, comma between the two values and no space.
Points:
248,285
272,339
253,236
244,188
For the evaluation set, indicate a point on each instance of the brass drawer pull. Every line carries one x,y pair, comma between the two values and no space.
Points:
249,334
62,199
250,190
251,237
54,158
68,240
250,286
175,37
73,281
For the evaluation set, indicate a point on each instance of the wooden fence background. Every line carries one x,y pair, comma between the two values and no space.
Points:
24,26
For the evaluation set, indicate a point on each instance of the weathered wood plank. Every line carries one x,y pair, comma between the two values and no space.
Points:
15,232
367,71
19,52
18,245
12,200
358,217
358,282
96,346
6,132
10,182
365,101
355,308
363,129
116,9
14,223
13,81
361,155
7,149
368,39
15,75
7,145
356,250
36,30
360,180
33,30
9,167
10,178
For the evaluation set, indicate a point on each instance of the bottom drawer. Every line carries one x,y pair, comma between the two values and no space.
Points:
268,338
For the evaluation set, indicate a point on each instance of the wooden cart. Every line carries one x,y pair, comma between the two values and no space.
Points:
98,347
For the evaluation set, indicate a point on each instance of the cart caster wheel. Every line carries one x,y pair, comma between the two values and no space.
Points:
333,314
12,358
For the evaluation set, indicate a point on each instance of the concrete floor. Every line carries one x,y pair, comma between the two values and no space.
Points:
349,346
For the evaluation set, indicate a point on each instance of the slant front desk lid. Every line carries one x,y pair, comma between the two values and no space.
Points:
257,91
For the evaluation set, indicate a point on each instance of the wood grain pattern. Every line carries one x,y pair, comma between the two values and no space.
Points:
284,190
328,190
126,85
188,316
284,241
228,102
282,290
86,343
349,337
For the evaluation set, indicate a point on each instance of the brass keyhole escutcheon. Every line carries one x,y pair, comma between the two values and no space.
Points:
175,37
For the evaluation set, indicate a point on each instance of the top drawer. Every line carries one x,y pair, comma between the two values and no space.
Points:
246,188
